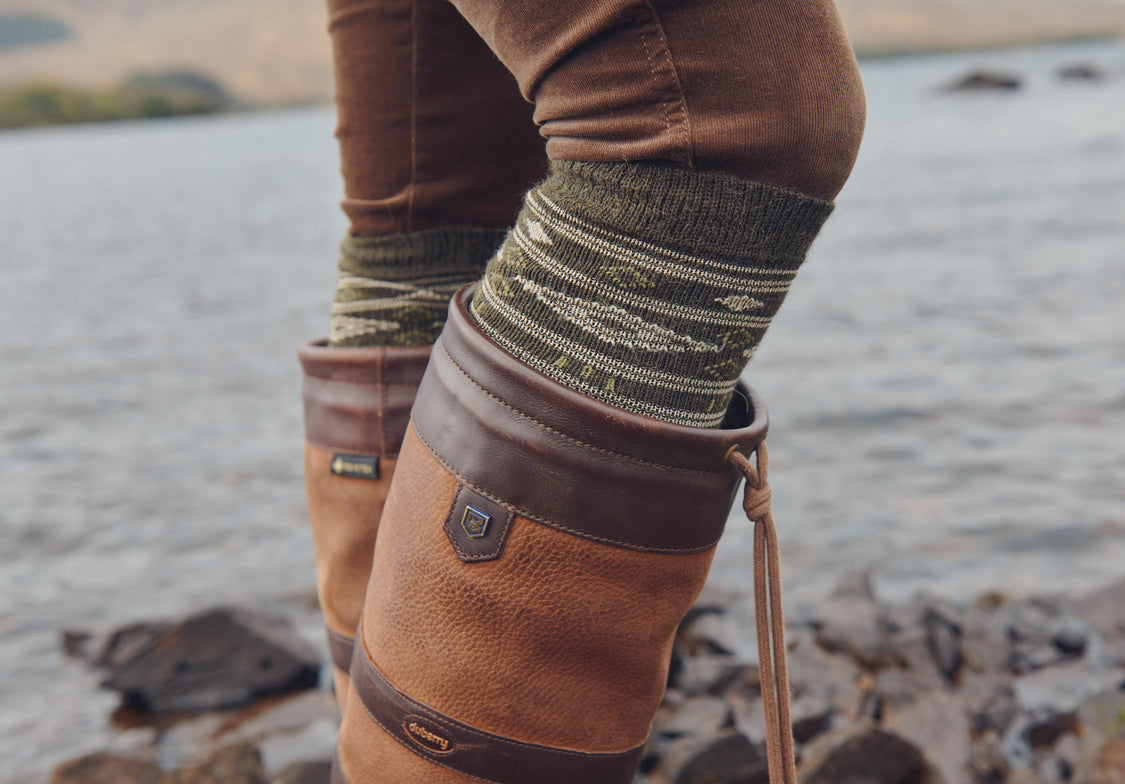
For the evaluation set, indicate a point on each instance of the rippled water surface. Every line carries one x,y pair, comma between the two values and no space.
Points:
947,379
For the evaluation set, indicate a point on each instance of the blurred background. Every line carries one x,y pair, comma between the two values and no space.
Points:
947,378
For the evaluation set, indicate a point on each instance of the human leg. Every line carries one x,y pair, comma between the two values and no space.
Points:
542,543
437,149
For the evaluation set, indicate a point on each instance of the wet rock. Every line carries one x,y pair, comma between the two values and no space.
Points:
833,681
103,768
855,585
217,659
985,644
240,764
895,690
698,716
708,630
305,773
730,759
910,639
714,675
1045,731
987,761
872,757
76,643
1044,632
991,705
123,644
943,639
986,80
1104,609
856,627
1082,72
936,725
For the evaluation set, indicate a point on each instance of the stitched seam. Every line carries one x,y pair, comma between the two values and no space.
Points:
413,114
668,62
681,109
574,441
452,725
327,380
550,523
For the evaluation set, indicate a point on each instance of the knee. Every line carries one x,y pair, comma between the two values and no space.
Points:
799,128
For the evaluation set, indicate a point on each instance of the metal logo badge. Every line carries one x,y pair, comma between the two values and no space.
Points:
355,466
475,522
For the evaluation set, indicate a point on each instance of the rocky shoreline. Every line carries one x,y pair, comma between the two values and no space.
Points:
1001,691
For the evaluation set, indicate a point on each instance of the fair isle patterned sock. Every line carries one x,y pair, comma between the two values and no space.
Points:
645,287
395,290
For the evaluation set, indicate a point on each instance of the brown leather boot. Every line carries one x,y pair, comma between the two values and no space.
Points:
537,553
357,406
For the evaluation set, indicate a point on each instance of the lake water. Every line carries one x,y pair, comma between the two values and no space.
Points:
947,378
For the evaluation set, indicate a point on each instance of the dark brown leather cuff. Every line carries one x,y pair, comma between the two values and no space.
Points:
553,455
359,399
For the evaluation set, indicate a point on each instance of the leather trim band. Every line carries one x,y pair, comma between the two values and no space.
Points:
444,741
359,399
340,648
566,460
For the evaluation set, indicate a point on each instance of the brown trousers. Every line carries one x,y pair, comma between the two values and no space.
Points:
435,128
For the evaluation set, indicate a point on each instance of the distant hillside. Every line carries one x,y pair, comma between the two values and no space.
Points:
260,50
891,26
268,51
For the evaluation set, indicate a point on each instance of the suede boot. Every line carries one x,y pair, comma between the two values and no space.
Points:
537,553
357,406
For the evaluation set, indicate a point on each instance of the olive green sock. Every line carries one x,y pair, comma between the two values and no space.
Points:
394,290
646,287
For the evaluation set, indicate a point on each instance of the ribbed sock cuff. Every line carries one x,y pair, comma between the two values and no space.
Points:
646,287
394,290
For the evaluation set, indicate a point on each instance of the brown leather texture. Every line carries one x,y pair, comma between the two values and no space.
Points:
562,638
449,743
562,641
345,514
359,399
571,462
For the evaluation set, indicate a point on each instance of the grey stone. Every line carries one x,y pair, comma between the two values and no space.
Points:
834,681
943,640
241,764
986,80
698,716
217,659
937,726
990,703
103,768
871,757
1044,633
1104,609
987,760
855,627
317,772
729,759
895,690
1082,72
985,644
855,585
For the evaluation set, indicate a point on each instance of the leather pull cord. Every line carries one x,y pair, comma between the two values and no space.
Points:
772,670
